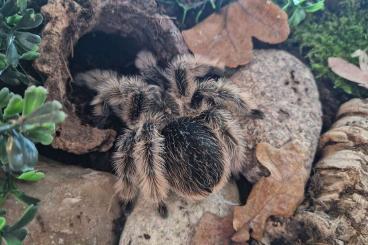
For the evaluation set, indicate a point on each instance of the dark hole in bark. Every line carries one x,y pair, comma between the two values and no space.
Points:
99,50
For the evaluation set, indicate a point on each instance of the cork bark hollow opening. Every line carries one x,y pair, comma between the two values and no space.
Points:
106,34
106,51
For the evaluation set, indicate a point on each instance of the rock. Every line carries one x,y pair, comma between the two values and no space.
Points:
66,22
144,226
74,206
284,89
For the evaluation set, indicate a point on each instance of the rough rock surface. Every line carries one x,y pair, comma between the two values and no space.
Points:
66,22
281,86
144,226
74,206
336,210
284,89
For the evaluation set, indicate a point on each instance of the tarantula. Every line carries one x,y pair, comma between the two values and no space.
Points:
184,128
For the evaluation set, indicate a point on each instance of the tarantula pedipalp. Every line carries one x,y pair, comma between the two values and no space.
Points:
184,128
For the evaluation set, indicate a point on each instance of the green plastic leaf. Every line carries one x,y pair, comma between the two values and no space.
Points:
297,17
33,176
4,97
34,97
14,107
3,62
9,8
3,154
43,134
22,153
2,223
30,20
20,234
27,40
22,4
12,240
30,55
14,19
27,217
12,55
13,77
50,112
314,7
24,198
298,2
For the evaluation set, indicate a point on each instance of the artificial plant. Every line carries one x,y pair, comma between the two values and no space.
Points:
16,43
24,121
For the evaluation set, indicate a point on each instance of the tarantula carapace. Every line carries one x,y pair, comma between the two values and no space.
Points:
184,128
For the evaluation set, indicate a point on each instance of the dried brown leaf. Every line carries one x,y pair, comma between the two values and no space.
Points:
279,194
227,35
349,71
212,229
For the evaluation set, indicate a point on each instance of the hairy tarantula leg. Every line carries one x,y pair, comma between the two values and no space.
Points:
150,164
197,68
151,72
125,169
223,95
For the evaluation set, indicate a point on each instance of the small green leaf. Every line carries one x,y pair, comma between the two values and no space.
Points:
14,107
297,17
27,40
12,55
22,153
13,77
30,55
20,234
30,20
34,97
12,240
22,4
2,223
33,176
3,154
24,198
43,134
314,7
4,97
48,113
9,8
3,62
27,217
14,19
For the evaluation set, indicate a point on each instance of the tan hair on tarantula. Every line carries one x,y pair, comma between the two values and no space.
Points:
184,130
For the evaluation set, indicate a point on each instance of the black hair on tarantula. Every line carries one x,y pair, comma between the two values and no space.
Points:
184,128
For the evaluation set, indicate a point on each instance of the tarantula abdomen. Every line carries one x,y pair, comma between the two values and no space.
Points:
195,161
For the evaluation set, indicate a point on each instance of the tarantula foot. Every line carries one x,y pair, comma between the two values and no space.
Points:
257,114
264,172
128,207
162,210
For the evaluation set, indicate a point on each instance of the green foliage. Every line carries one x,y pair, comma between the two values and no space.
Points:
16,43
298,9
198,6
334,34
23,122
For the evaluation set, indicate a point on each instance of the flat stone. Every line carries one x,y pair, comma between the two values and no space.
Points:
145,226
76,206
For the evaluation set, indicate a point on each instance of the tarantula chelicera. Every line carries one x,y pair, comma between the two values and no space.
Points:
184,128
